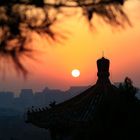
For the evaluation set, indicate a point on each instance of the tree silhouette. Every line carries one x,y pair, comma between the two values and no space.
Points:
128,110
128,90
20,18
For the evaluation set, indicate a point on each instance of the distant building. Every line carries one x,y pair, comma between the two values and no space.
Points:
26,98
6,99
75,90
39,99
26,94
54,95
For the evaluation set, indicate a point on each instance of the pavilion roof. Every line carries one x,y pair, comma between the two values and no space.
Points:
81,109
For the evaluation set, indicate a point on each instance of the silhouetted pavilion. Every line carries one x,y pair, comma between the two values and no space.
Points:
90,115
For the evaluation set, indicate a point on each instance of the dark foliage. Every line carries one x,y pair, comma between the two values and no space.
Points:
20,18
128,90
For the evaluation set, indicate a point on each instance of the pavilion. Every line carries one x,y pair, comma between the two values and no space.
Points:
93,114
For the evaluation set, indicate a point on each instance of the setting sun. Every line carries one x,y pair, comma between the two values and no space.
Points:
75,73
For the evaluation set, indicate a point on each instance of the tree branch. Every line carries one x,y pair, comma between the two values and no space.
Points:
18,17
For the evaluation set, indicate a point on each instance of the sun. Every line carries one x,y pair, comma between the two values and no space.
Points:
75,73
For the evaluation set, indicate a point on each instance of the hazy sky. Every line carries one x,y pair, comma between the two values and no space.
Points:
80,50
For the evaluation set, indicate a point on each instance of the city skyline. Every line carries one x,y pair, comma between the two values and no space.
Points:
29,98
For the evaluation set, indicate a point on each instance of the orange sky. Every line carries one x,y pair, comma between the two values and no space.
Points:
81,50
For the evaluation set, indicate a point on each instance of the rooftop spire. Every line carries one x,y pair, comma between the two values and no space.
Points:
103,69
